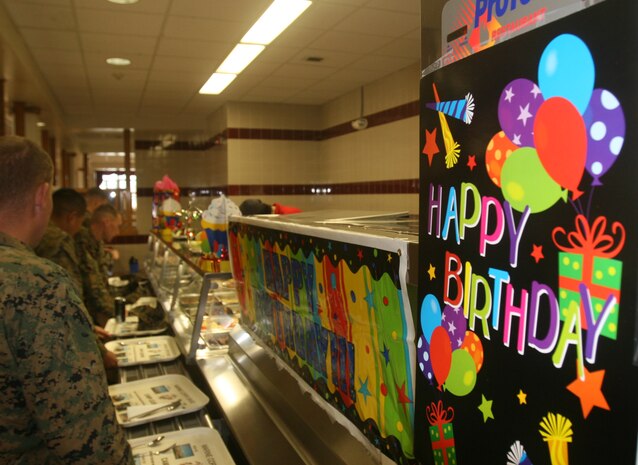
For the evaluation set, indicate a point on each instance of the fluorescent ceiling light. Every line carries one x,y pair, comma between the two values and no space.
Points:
279,15
115,61
123,2
217,83
239,58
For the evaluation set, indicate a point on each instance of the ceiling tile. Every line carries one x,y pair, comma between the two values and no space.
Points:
242,10
204,29
117,43
49,39
176,44
44,2
277,54
178,78
57,57
184,65
331,58
323,15
405,6
382,63
153,6
194,48
48,17
350,42
402,48
116,22
268,94
379,22
307,71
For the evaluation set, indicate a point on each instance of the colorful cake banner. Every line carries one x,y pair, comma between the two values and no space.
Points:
333,305
527,245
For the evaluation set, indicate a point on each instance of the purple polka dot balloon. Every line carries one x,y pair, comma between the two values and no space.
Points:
605,124
517,108
455,324
423,359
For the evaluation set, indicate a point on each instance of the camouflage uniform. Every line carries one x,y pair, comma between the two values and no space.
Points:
105,260
98,299
54,407
59,247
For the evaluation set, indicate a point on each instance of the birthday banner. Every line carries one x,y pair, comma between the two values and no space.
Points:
527,248
333,305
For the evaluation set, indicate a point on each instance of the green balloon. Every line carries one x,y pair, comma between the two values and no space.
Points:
462,377
524,182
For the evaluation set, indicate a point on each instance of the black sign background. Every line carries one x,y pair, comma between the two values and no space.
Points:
605,436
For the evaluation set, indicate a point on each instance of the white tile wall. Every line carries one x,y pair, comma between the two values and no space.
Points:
385,152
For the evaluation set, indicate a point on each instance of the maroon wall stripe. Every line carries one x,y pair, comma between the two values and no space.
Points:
398,186
390,115
394,186
130,239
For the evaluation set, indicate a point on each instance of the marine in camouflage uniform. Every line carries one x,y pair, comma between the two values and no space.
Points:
59,247
99,300
54,407
105,261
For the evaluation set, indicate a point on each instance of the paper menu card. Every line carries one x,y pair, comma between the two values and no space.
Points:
190,446
139,351
136,397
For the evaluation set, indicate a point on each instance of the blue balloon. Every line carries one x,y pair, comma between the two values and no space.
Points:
430,315
566,69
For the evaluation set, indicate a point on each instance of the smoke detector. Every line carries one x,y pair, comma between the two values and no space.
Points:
361,122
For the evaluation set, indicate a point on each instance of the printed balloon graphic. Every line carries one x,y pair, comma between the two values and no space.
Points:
498,150
473,346
517,107
430,316
424,360
605,123
462,376
441,354
560,138
524,182
566,69
454,322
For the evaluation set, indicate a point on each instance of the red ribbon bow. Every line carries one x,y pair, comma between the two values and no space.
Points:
589,239
436,414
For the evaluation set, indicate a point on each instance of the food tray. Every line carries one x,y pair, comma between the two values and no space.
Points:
139,397
190,446
143,350
129,328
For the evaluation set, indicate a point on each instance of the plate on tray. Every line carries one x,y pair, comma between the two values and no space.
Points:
189,446
156,398
129,328
143,350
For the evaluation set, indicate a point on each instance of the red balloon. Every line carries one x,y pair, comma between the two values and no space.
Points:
560,137
440,353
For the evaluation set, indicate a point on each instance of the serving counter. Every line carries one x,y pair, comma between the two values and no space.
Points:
320,368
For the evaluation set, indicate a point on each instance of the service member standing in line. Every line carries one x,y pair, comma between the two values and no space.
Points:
58,245
96,197
54,407
89,243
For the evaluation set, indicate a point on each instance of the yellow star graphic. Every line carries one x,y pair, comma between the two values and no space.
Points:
522,397
486,409
431,272
389,257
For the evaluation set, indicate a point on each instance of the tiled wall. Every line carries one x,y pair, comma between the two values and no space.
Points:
281,152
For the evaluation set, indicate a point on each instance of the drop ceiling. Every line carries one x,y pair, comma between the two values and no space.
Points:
53,52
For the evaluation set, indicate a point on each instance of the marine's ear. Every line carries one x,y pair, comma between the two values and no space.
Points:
42,196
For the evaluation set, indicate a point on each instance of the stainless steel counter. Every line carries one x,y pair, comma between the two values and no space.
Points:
272,418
